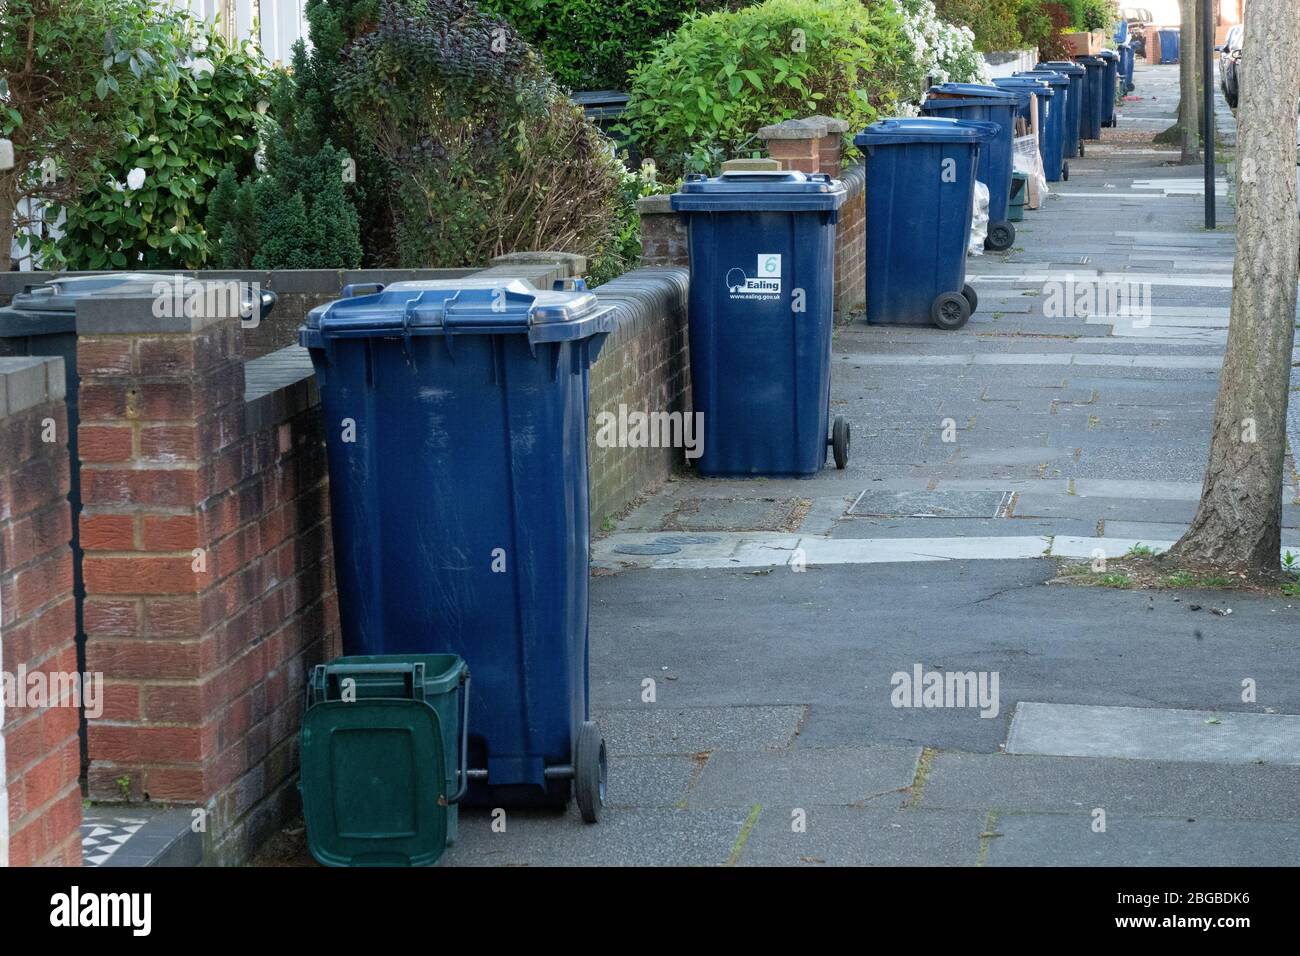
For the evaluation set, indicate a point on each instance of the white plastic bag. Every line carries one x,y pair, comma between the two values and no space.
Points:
1026,159
979,223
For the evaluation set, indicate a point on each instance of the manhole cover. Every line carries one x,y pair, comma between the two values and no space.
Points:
650,547
682,539
930,504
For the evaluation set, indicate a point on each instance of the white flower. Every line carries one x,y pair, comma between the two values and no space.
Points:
200,44
201,67
135,179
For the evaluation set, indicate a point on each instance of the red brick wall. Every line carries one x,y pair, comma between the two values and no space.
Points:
42,756
208,570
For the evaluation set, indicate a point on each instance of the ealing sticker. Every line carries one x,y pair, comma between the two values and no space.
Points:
766,284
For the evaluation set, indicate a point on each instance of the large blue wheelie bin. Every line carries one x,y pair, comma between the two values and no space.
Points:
1049,129
1052,135
1074,102
920,190
1109,86
1094,110
455,420
762,258
973,101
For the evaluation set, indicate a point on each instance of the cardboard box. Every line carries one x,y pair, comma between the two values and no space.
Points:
1084,44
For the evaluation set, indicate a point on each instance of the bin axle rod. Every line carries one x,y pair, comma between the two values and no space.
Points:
558,772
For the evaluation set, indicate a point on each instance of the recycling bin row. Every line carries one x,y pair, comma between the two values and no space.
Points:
456,420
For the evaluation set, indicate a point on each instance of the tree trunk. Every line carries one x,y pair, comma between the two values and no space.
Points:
1238,522
1188,70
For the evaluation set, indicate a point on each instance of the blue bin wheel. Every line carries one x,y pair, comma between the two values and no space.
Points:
590,772
1065,170
841,439
1001,237
1080,148
950,311
969,292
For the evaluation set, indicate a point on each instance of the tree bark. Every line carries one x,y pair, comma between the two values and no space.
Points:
1238,522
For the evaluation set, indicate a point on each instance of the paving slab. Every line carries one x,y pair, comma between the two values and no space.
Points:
640,837
1057,840
840,836
664,729
1139,733
805,777
1008,782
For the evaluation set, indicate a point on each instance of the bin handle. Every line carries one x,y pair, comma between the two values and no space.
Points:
352,288
463,771
570,284
415,671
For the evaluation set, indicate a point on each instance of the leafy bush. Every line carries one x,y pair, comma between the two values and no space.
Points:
486,153
712,84
993,22
297,215
193,111
1042,25
594,44
1096,15
71,75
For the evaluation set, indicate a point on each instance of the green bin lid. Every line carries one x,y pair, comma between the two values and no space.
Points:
373,783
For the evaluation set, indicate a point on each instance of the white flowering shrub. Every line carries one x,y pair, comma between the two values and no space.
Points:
942,51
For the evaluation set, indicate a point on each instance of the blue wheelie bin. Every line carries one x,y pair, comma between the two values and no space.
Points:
455,419
920,191
762,253
1075,101
973,101
1049,131
1169,43
1126,63
1052,141
1094,97
1109,86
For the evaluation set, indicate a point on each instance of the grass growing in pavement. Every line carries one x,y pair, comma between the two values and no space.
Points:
1143,568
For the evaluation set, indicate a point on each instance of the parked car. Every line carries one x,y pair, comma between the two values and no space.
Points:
1138,20
1230,65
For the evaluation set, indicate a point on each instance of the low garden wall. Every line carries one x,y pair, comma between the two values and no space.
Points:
40,751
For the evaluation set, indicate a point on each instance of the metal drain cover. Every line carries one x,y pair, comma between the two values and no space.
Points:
930,504
650,547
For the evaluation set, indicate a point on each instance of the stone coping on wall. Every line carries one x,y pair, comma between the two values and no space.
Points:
28,382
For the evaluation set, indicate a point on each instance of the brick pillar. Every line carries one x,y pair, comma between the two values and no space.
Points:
796,144
167,609
663,233
40,753
830,148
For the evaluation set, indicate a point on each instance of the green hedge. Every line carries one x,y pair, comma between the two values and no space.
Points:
595,44
708,87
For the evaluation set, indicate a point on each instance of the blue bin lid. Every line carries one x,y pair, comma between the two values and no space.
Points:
1108,55
1030,84
1089,59
1063,66
974,91
759,190
1051,77
925,129
471,306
